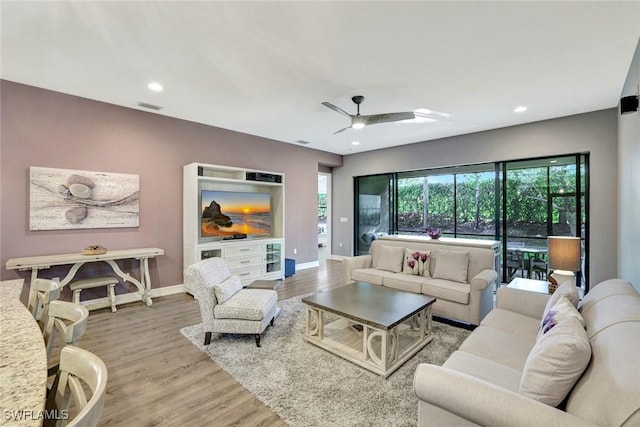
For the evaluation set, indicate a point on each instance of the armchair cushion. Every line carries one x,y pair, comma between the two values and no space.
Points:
228,288
248,304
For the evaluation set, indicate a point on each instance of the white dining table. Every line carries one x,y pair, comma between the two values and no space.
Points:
23,361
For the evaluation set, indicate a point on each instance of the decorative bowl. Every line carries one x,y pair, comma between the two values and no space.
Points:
94,250
434,234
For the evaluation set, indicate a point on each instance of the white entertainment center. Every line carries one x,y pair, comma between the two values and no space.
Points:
251,257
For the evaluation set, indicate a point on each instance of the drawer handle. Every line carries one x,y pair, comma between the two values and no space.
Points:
245,274
245,250
245,262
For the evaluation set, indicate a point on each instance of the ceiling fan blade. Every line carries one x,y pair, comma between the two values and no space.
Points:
430,113
342,130
337,109
388,117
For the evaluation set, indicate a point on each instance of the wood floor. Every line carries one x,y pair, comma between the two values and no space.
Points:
157,377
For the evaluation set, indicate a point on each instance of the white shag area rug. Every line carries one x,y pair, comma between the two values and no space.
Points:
308,386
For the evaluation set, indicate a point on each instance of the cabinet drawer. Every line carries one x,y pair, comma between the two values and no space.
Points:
244,262
234,251
248,275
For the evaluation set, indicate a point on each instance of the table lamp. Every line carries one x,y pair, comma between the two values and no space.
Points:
564,257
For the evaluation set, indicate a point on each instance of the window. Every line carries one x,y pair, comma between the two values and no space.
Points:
457,201
517,202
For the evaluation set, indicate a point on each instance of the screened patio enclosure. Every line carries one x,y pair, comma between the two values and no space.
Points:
519,203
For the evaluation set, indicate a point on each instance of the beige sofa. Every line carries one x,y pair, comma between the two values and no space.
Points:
481,383
463,289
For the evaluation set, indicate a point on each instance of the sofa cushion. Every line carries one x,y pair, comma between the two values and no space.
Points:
404,282
227,288
389,258
416,262
501,347
451,265
446,290
556,314
370,275
484,369
248,304
567,289
513,323
556,362
606,289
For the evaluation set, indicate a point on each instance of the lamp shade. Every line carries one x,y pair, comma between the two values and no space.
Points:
564,253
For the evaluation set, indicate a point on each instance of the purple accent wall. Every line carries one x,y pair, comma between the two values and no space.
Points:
51,129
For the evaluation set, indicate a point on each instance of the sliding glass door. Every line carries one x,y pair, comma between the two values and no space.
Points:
374,204
542,198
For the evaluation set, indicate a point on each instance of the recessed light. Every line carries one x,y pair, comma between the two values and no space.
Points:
355,143
155,86
553,161
520,109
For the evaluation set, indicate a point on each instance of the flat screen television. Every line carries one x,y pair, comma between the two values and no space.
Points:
228,213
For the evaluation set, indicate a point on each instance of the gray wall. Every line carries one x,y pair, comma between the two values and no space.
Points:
50,129
592,132
629,178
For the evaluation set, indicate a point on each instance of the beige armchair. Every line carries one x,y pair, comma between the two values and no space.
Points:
225,306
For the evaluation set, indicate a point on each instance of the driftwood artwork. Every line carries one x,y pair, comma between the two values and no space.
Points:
71,199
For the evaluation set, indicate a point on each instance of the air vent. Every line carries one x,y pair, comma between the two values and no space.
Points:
301,141
149,106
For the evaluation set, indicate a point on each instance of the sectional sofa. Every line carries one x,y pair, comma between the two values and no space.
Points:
459,273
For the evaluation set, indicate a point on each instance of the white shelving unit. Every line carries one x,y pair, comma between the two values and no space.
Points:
250,258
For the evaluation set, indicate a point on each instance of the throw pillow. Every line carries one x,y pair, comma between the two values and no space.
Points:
227,288
416,263
556,314
389,258
451,265
567,289
556,362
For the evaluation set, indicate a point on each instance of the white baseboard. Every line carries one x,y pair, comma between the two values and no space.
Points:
167,290
306,265
338,257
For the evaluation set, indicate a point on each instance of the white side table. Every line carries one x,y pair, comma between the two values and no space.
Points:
539,286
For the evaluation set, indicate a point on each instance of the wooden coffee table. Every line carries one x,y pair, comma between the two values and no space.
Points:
375,327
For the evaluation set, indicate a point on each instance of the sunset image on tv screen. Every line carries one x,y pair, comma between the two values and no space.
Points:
225,213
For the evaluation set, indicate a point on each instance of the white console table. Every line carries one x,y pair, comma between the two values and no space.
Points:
494,245
36,263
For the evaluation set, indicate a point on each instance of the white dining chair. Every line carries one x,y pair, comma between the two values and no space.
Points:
78,368
69,320
42,292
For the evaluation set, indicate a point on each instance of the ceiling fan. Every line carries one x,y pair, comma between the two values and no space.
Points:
358,121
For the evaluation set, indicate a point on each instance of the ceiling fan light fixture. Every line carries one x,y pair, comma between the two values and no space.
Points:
357,124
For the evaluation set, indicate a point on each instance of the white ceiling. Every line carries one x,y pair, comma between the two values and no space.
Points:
263,68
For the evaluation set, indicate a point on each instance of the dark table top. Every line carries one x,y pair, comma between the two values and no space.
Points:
373,305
